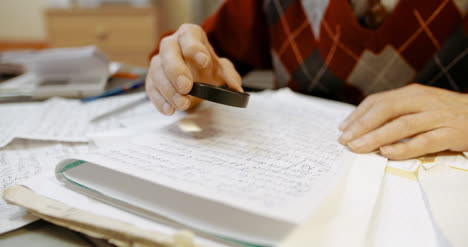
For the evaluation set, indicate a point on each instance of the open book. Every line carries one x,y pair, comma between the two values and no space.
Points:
250,175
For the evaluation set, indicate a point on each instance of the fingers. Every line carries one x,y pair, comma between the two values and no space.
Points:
377,115
230,75
393,96
193,43
168,92
361,110
396,130
429,142
158,100
184,57
161,91
194,46
433,119
174,65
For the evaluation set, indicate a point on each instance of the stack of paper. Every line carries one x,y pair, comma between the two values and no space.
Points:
25,159
35,136
66,72
445,195
372,202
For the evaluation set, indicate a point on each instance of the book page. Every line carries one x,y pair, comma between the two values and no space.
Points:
22,160
445,190
343,218
401,217
277,158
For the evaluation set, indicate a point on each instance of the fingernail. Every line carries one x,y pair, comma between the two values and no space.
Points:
346,137
201,59
183,82
357,144
167,109
181,101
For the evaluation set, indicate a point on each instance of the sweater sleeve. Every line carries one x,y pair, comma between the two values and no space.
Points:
465,29
465,24
238,31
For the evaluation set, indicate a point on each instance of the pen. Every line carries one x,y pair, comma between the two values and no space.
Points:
116,91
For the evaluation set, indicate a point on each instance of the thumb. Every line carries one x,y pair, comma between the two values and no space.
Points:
229,75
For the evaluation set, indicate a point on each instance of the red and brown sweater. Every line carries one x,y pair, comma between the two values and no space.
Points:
318,47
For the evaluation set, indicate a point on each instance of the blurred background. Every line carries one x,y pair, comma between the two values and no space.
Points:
126,30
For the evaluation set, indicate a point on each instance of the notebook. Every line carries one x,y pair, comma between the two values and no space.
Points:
247,175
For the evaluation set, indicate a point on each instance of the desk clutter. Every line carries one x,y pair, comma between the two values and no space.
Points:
67,72
272,174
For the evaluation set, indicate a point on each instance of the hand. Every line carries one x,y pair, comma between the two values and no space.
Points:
186,56
408,122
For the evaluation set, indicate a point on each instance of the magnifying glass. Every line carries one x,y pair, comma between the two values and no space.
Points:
220,95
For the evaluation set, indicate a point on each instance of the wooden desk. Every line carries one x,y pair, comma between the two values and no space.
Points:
124,33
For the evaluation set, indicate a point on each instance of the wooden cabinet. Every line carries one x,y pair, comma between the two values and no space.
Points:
125,34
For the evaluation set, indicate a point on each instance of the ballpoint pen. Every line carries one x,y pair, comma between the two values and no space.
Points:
118,90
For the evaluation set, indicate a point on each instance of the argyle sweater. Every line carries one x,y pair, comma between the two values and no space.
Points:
318,47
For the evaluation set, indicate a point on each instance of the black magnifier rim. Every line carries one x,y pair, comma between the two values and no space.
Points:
219,95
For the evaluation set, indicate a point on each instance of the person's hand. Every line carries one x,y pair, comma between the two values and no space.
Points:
408,122
186,56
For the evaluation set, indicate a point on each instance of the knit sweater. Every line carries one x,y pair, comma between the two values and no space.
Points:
318,47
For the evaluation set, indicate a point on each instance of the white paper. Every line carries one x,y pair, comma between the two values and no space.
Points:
146,115
344,217
446,193
143,119
401,217
456,161
22,160
70,120
271,159
116,105
13,117
405,165
119,137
